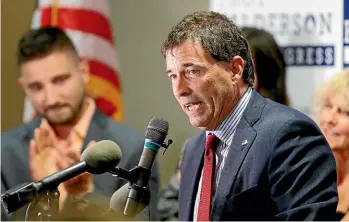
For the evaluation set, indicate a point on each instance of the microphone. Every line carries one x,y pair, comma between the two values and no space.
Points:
154,137
97,159
119,198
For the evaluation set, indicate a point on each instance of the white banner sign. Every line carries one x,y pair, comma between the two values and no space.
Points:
313,35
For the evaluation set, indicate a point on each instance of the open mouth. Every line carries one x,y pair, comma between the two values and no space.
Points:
193,106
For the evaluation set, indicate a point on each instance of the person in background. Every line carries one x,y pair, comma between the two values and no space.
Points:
53,77
255,159
331,109
270,71
270,65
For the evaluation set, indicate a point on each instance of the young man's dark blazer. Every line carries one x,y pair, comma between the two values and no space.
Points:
15,158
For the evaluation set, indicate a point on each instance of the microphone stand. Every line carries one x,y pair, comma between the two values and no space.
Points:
136,176
47,211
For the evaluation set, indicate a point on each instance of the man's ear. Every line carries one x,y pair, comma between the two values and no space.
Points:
237,66
85,70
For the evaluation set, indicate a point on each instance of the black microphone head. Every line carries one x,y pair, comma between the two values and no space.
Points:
101,156
157,130
119,198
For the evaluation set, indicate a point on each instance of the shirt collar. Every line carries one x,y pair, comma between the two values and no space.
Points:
225,130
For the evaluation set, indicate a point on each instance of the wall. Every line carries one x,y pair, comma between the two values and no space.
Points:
15,21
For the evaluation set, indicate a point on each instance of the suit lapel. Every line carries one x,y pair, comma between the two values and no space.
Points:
97,132
243,138
28,132
191,176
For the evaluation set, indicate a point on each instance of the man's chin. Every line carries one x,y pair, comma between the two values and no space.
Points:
59,121
199,123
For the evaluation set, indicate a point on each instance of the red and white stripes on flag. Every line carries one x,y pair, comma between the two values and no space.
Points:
87,23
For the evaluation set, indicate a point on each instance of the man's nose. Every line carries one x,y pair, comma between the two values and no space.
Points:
50,96
181,88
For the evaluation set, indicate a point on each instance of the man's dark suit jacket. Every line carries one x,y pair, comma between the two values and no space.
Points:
15,159
279,167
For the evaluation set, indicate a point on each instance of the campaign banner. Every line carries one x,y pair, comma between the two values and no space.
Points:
313,36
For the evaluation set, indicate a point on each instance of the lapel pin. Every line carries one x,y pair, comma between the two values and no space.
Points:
244,143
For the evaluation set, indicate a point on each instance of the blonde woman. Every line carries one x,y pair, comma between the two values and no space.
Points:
332,113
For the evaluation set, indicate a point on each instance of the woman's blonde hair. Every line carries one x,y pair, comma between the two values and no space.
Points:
337,85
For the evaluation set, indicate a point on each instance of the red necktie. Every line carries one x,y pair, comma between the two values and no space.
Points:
207,180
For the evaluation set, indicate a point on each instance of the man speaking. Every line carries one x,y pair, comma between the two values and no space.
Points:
255,159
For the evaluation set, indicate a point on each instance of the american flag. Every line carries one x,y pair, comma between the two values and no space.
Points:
87,23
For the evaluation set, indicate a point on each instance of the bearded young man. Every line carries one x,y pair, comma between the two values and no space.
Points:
53,77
